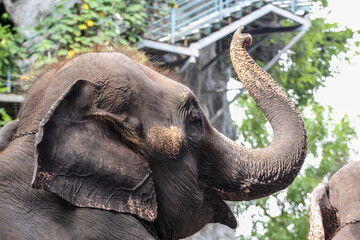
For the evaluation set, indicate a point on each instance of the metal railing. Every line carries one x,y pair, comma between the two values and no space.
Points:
169,22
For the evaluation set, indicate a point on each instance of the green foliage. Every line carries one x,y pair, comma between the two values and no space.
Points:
5,118
10,48
324,3
308,63
329,141
259,136
303,71
69,30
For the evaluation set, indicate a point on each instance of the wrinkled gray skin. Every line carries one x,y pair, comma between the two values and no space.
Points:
7,132
123,152
335,206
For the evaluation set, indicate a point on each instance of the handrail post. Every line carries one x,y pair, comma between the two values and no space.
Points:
8,80
292,5
220,9
173,24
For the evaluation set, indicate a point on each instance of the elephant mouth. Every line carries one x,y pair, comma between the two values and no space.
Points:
222,212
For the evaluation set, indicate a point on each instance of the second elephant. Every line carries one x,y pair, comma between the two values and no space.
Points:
335,206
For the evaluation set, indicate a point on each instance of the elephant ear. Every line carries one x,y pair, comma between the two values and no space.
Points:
85,160
322,215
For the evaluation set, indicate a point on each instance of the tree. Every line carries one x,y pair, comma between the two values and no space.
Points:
304,69
10,49
67,31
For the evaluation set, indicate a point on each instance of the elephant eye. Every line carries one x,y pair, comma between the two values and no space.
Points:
194,116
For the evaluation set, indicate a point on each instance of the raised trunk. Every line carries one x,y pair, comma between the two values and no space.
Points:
254,173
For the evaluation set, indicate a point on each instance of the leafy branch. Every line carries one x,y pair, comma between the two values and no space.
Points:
67,31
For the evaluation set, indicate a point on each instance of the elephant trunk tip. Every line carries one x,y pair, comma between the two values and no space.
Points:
243,39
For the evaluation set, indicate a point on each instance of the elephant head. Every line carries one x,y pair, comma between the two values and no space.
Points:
335,206
116,135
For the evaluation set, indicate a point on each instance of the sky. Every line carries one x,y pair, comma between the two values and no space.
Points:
341,92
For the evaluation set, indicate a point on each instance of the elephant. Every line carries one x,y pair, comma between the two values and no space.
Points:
109,148
335,206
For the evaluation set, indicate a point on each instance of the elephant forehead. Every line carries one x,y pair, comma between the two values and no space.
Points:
166,140
102,58
184,94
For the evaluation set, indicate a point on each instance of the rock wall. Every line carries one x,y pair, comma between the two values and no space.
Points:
26,13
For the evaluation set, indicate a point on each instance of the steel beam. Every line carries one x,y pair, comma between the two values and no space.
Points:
282,51
189,51
11,98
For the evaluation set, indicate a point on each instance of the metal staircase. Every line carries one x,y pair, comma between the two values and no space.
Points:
185,26
173,22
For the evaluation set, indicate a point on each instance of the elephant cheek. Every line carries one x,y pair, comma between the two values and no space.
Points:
166,141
